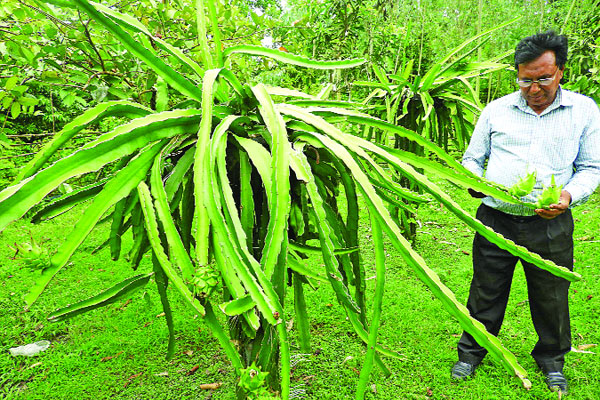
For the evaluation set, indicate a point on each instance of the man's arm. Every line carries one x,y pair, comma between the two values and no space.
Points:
587,164
586,177
478,151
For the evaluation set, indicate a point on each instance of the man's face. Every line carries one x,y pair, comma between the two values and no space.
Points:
539,97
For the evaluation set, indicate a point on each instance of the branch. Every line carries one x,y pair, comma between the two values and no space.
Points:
49,16
89,38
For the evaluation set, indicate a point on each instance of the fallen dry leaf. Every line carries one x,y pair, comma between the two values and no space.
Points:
188,352
125,304
589,297
193,370
111,357
211,386
586,346
132,377
162,314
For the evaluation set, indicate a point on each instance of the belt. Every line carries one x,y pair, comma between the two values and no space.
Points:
521,218
514,218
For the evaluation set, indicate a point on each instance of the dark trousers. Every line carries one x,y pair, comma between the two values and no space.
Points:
548,295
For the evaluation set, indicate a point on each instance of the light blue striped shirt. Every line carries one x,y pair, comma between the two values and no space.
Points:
563,140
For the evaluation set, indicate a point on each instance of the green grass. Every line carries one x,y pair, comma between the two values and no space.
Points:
77,365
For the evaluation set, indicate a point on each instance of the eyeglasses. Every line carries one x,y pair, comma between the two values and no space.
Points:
525,83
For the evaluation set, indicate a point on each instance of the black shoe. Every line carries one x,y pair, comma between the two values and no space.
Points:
462,370
557,382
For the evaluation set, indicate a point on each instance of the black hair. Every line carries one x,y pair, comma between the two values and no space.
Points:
534,46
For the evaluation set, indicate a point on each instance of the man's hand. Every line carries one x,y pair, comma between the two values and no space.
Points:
556,209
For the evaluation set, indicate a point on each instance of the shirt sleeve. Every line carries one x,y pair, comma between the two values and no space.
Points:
587,163
478,150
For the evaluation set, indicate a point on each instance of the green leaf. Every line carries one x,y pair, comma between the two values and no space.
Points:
161,285
292,59
95,114
130,23
280,190
162,95
178,253
238,306
125,139
11,83
172,77
117,188
15,110
300,308
229,235
68,201
300,165
105,298
377,208
152,230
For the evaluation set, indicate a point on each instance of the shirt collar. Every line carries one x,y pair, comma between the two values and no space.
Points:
561,100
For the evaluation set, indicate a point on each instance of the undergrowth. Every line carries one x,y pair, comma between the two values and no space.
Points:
118,352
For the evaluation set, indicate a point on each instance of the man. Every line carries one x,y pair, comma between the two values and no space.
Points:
548,130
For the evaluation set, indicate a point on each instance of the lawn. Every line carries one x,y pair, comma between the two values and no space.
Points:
119,351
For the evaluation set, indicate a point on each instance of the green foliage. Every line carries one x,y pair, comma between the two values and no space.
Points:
221,179
583,31
524,185
33,255
253,382
550,195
